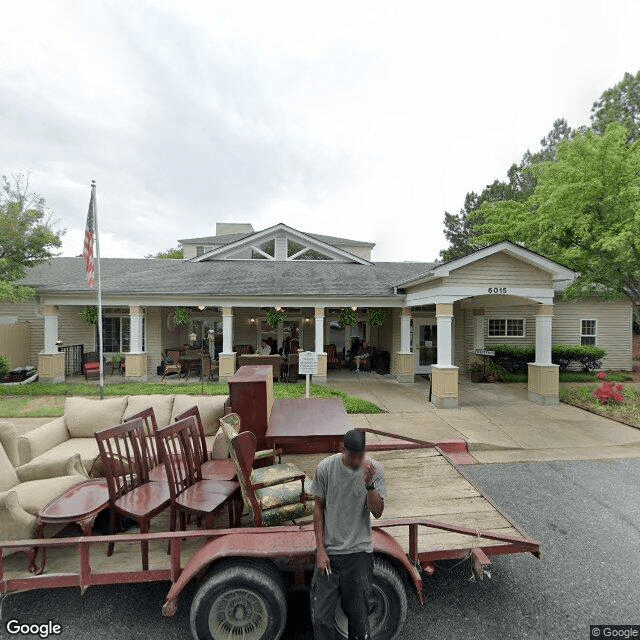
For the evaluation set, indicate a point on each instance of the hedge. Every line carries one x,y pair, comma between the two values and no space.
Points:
513,358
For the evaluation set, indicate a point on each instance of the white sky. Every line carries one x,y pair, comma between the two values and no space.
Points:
357,119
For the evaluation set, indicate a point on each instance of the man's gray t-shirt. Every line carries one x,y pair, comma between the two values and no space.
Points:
347,521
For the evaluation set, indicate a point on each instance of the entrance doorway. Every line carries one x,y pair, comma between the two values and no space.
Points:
425,343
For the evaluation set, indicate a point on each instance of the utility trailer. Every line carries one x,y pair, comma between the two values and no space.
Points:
433,512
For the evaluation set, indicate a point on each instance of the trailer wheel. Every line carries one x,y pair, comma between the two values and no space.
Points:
242,599
390,609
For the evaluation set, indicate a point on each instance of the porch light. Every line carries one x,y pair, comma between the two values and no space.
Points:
253,320
192,337
201,307
354,308
278,308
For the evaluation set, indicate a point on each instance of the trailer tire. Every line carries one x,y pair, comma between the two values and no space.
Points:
390,596
242,598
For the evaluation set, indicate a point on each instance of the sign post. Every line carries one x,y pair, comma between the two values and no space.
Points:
308,365
484,353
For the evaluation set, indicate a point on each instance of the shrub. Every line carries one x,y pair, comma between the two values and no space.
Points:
589,357
513,358
4,366
609,393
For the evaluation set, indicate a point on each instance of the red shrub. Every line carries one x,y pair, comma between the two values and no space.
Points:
609,393
601,376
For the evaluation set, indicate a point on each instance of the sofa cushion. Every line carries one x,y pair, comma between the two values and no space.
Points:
8,475
35,494
85,416
162,406
9,441
211,409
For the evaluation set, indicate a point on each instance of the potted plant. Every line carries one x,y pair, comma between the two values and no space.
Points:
274,317
347,317
90,314
181,316
375,317
494,371
476,371
116,359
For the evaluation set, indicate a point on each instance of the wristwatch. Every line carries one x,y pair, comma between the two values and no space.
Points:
370,487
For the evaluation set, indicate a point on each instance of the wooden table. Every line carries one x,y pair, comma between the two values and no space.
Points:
316,425
79,505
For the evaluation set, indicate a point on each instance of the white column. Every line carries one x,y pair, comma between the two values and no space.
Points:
319,314
444,319
227,330
136,318
544,325
478,329
50,329
405,330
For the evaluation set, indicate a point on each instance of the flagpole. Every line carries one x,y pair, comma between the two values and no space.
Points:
99,280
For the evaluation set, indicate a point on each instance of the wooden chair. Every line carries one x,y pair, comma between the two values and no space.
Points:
332,355
124,456
273,494
172,364
154,461
180,448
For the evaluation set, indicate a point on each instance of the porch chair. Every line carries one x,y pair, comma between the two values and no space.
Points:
91,364
273,494
172,364
180,447
124,457
332,355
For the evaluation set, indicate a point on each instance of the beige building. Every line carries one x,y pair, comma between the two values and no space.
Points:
436,315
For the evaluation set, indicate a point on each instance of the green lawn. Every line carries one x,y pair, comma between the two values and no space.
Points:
628,411
571,376
42,400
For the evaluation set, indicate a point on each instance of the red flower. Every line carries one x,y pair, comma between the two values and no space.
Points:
601,376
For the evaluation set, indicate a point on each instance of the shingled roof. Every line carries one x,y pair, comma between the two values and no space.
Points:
226,277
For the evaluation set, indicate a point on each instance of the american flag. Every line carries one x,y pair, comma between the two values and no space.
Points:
89,232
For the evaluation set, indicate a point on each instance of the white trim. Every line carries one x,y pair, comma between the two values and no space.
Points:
589,335
525,255
251,239
449,294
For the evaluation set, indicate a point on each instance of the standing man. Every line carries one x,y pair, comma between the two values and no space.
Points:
349,488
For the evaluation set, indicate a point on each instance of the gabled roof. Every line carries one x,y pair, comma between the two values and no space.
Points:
224,277
233,237
558,271
265,233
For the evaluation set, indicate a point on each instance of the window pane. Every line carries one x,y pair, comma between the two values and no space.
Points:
125,324
269,247
255,255
588,327
312,254
515,327
497,327
293,247
110,335
588,340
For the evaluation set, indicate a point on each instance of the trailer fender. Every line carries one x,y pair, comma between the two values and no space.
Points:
295,545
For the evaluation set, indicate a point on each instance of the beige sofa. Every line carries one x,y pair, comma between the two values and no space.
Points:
25,489
73,433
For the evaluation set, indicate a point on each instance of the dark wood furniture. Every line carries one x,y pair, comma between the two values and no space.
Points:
79,505
332,356
91,364
251,397
241,349
181,451
125,462
154,462
314,425
274,361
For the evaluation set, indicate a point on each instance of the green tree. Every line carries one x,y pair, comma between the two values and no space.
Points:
460,229
620,103
584,213
167,254
27,235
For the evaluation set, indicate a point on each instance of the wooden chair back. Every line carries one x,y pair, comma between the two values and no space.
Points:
194,413
179,446
243,449
148,418
123,453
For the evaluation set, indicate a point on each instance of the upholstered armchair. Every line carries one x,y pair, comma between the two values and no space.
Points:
25,489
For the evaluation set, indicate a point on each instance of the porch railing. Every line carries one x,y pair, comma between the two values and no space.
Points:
72,358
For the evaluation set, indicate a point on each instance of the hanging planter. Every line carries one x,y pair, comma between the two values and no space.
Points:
181,316
347,317
375,317
90,314
274,317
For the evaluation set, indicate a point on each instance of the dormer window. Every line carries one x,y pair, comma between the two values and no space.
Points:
202,248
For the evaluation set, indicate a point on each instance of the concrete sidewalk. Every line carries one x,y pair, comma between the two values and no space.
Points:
498,421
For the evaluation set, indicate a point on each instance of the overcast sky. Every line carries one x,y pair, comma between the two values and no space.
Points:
364,120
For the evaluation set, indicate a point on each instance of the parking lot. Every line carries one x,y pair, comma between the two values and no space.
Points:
586,514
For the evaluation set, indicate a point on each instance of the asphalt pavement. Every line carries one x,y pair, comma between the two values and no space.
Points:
585,513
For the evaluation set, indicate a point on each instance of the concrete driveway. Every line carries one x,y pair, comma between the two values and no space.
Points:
498,421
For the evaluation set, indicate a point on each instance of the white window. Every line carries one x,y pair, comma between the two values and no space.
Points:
202,248
506,328
588,332
116,331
